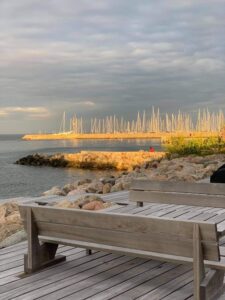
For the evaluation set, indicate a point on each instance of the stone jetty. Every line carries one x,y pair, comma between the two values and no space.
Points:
92,159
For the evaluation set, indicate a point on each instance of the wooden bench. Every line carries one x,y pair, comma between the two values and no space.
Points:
169,240
179,193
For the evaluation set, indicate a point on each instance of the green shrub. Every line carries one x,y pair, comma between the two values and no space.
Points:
198,146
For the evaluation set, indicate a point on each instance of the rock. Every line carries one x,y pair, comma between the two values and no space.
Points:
83,181
2,213
91,202
110,180
56,160
137,169
15,238
126,185
209,170
117,187
77,192
106,188
146,165
87,198
95,187
81,202
93,205
179,168
10,221
66,204
13,218
68,188
55,190
154,164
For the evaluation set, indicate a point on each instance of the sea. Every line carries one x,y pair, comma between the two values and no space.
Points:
23,181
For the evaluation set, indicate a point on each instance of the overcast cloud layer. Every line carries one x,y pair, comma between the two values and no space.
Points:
99,57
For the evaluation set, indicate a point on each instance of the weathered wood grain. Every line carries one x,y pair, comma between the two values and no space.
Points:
178,198
182,187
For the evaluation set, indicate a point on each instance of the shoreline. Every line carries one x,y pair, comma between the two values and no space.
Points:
190,169
116,136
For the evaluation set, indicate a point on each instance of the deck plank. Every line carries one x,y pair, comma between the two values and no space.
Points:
168,288
79,261
182,293
102,280
133,287
59,285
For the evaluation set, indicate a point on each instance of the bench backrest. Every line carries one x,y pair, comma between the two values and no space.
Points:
125,231
179,193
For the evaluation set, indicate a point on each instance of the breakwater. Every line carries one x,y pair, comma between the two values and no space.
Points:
99,160
115,136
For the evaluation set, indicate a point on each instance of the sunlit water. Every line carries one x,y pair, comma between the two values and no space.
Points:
17,181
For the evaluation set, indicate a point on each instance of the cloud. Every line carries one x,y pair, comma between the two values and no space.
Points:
29,112
86,103
123,55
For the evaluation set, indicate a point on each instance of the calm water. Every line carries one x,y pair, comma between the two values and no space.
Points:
17,181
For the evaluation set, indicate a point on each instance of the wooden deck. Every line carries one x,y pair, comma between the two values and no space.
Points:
103,275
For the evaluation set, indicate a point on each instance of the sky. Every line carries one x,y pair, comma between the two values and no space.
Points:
95,58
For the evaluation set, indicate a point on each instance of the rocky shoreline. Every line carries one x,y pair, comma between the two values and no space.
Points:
190,169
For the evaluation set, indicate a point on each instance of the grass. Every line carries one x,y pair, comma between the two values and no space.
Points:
198,146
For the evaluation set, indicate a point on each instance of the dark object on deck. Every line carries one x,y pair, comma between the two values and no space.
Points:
219,175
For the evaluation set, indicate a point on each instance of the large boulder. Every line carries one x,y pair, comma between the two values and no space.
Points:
10,221
15,238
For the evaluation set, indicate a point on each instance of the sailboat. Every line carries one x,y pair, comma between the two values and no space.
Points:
62,128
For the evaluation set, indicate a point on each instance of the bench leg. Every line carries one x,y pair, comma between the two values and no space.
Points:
206,286
198,263
39,256
88,252
212,285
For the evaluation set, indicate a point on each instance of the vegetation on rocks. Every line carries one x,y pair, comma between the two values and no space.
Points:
201,146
